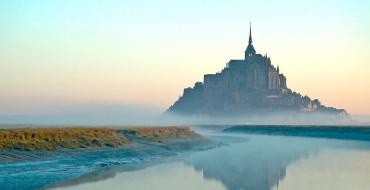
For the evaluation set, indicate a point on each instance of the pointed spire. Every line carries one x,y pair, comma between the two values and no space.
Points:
250,51
250,33
278,69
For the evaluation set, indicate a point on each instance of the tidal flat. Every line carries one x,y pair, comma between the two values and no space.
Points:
228,161
32,158
248,162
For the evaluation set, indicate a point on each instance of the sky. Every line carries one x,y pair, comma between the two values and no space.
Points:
73,56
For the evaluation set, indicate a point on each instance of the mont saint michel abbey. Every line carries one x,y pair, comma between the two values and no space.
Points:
248,87
254,73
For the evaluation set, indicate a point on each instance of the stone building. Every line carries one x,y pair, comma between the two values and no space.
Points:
254,72
244,87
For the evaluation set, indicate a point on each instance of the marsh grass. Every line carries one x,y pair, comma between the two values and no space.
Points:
31,139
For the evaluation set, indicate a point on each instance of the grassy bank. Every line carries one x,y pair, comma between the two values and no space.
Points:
59,138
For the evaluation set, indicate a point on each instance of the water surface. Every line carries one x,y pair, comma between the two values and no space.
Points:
255,162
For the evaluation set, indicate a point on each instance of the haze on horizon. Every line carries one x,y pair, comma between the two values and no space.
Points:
91,56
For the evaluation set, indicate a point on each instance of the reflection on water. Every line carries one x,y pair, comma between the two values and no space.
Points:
332,169
259,163
160,177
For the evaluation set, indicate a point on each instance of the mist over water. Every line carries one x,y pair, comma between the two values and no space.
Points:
90,114
251,162
277,118
136,115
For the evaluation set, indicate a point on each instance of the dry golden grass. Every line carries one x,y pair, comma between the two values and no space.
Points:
72,138
159,134
57,138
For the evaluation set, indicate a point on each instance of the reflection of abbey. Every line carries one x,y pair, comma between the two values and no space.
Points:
245,87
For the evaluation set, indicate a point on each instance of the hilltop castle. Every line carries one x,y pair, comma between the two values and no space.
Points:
246,87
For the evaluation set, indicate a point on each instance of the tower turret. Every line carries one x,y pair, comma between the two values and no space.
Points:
250,51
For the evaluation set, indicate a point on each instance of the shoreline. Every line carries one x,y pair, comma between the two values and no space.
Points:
56,167
26,143
361,133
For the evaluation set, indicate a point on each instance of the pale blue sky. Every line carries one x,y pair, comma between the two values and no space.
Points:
80,52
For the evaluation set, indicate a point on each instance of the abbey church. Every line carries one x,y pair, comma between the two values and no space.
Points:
254,73
246,87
